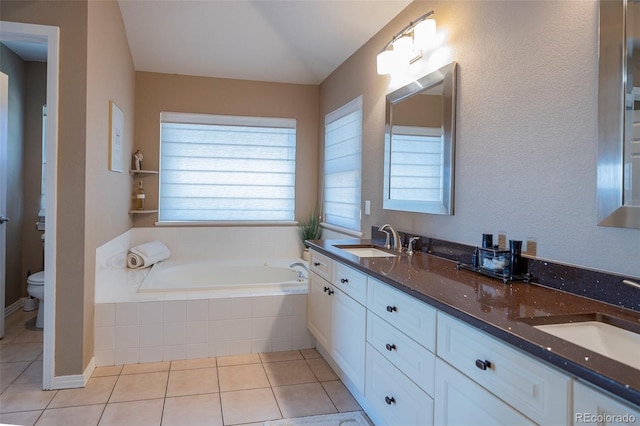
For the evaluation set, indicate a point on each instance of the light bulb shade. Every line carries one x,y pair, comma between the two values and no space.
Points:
385,62
424,34
403,48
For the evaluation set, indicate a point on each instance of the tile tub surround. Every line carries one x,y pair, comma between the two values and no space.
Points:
136,332
131,327
495,308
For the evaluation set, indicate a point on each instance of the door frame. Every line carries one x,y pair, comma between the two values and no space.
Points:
4,133
49,35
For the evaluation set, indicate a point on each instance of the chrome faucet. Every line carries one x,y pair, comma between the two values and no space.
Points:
301,275
410,244
397,244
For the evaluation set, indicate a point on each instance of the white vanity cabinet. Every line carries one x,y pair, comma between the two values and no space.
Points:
335,318
593,406
400,363
539,392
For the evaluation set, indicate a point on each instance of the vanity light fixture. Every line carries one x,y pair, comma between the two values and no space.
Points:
408,45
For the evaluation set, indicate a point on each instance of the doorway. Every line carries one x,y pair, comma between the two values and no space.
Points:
41,36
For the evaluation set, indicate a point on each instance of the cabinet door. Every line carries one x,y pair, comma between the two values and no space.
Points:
319,310
461,401
593,406
348,333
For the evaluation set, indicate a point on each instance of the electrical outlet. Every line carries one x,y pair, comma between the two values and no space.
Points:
367,207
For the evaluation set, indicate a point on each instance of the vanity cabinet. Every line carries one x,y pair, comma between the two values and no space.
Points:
593,406
539,392
335,318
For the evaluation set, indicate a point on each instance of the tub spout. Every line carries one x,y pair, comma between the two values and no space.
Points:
303,266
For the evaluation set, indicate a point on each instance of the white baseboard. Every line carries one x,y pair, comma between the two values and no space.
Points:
15,306
75,380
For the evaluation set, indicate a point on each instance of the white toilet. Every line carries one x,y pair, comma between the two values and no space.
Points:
35,288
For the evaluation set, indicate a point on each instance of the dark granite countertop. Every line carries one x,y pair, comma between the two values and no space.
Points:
498,309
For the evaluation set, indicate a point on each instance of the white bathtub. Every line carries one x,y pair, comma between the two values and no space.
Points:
243,276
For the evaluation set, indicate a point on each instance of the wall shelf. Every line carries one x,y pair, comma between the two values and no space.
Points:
142,211
143,172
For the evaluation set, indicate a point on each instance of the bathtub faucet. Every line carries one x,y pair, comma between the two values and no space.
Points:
303,266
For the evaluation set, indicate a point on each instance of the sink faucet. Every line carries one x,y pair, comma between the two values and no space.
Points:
397,244
410,244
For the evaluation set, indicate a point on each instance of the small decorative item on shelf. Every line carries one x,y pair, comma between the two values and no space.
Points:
140,197
506,264
309,230
137,160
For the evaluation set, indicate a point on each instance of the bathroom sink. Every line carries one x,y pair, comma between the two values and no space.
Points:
365,251
609,336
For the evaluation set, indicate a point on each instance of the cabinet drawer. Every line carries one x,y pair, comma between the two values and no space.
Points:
539,392
408,356
590,402
415,318
321,265
461,401
352,282
395,398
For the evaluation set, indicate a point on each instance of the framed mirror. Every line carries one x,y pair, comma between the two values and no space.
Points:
419,144
618,183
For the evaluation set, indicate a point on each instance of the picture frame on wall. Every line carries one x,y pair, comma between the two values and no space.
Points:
116,127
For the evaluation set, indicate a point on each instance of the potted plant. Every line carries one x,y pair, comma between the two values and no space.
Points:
309,230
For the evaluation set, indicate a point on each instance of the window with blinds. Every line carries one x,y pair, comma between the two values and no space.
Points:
343,166
226,168
416,166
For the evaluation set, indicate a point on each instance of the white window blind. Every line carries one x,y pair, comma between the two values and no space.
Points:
343,165
226,168
416,165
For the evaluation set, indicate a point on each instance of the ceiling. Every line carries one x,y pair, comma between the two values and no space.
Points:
294,41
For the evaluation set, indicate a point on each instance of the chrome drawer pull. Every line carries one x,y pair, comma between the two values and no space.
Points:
391,309
389,400
483,365
391,347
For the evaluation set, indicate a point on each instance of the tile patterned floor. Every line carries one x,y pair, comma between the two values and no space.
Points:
233,390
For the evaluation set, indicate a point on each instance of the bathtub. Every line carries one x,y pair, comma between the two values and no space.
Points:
241,276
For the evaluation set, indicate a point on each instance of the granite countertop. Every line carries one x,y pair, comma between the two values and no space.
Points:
498,309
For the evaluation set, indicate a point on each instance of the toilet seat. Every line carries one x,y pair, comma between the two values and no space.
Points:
36,279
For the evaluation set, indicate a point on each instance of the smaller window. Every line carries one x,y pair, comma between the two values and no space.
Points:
226,168
343,165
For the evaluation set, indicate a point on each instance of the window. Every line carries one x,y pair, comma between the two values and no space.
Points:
343,165
226,168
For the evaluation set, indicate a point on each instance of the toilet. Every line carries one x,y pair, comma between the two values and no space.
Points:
35,288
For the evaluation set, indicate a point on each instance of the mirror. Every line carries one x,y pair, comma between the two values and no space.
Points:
618,184
419,144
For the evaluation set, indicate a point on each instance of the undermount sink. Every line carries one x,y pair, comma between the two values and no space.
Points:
603,334
365,251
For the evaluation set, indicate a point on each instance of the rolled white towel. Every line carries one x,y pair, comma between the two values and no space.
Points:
147,254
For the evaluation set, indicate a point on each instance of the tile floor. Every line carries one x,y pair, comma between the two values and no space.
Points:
233,390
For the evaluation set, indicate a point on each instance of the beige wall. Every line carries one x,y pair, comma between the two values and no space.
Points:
71,17
110,77
15,68
526,128
177,93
